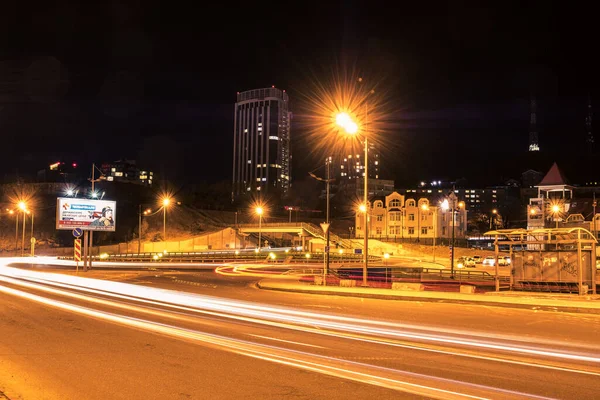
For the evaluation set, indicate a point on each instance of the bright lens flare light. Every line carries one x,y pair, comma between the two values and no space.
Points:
343,119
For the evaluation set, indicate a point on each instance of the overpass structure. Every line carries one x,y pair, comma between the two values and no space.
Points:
298,228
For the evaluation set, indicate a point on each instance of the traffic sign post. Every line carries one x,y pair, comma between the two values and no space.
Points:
77,249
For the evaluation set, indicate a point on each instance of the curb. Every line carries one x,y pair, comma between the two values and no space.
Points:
567,309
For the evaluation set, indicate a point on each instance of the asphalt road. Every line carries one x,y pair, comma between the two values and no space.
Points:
218,337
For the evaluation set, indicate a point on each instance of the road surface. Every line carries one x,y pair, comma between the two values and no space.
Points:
199,335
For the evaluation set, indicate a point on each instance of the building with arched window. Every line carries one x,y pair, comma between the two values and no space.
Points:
396,217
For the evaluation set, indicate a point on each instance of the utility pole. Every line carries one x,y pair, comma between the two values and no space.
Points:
327,220
91,233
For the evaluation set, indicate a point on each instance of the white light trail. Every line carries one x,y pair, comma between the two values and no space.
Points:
383,377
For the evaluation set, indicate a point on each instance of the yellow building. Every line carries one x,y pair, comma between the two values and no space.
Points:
396,217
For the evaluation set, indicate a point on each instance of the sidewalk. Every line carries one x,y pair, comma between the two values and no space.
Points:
589,304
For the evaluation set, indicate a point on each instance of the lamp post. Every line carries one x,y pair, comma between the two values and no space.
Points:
259,211
166,201
435,217
555,213
23,207
140,213
345,121
493,216
450,203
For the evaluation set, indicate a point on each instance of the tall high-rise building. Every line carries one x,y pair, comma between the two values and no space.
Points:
534,144
352,166
261,142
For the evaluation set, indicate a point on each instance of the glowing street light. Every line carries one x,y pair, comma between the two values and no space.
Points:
345,121
556,213
492,217
166,201
23,207
259,211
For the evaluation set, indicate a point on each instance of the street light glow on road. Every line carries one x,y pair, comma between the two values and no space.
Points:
182,306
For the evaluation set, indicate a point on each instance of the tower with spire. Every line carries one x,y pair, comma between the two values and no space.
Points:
533,135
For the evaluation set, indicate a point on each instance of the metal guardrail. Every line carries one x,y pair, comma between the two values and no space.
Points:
230,256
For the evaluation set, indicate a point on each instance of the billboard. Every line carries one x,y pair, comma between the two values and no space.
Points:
87,214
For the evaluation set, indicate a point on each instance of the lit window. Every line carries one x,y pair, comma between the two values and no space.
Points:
249,161
273,138
260,124
113,169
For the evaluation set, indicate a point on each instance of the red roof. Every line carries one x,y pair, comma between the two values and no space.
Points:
553,177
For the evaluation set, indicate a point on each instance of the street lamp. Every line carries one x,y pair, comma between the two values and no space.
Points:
165,202
23,207
555,213
259,211
493,216
345,121
140,213
451,203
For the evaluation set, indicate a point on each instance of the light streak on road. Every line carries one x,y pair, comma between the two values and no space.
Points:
266,314
430,339
408,382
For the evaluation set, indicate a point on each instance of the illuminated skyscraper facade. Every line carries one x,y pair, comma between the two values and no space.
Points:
261,142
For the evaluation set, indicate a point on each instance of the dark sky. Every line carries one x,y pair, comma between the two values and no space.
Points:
156,81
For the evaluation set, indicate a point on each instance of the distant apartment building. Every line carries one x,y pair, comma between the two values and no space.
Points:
356,187
59,172
477,200
352,165
126,171
262,159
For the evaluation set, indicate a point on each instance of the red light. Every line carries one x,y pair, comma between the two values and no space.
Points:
74,165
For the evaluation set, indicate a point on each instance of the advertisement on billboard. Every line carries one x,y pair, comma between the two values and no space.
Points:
87,214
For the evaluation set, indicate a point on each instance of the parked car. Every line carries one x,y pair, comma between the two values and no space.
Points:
465,262
490,261
503,261
478,259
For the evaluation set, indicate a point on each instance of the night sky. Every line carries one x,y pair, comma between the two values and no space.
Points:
157,81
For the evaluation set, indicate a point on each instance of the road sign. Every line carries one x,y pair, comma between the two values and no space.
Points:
325,226
77,232
32,240
77,249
